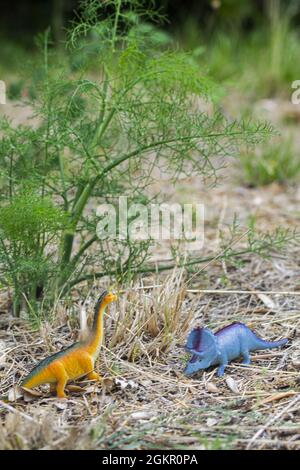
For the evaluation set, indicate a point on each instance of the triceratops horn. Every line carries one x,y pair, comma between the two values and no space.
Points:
202,354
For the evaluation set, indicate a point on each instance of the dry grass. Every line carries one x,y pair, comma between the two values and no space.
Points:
145,401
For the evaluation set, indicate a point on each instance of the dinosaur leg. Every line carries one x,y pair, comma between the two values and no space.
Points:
60,388
61,379
246,357
52,388
93,376
88,365
221,368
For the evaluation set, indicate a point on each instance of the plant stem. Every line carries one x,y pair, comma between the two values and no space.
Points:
157,268
87,191
83,249
117,15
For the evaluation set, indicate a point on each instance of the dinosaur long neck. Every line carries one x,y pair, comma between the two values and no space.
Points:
96,336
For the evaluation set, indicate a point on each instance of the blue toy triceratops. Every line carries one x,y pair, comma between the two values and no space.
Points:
232,341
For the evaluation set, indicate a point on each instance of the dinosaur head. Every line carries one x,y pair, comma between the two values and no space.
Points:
201,343
104,299
109,297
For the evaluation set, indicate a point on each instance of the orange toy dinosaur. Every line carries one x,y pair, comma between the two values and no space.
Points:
75,361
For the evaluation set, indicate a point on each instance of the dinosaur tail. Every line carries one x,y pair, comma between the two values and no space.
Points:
35,378
30,382
262,344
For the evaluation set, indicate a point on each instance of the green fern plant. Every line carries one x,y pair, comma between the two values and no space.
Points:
29,227
119,104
